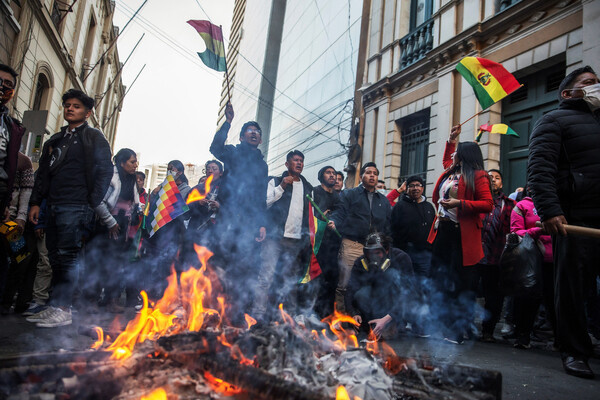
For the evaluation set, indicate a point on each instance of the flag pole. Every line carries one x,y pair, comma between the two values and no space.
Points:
462,123
316,207
226,68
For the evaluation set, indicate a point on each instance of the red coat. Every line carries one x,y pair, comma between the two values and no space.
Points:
472,204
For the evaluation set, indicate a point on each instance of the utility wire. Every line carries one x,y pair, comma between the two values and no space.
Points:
186,53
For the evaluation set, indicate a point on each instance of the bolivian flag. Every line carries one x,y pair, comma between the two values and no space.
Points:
502,129
214,55
316,229
490,80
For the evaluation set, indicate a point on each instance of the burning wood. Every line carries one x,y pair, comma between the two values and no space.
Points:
183,346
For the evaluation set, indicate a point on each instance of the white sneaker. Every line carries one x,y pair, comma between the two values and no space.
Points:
59,317
40,315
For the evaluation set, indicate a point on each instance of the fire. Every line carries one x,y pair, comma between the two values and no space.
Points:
345,337
287,319
195,194
100,340
186,305
220,386
342,394
249,321
158,394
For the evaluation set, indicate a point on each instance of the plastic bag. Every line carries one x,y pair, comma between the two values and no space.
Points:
521,267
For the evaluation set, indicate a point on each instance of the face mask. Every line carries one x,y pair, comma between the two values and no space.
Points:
592,96
382,191
172,173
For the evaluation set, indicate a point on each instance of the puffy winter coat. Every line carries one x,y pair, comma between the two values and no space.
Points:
522,221
564,162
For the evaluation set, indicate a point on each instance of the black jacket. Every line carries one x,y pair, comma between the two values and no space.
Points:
16,131
98,166
395,285
564,162
325,200
244,187
278,212
411,223
355,219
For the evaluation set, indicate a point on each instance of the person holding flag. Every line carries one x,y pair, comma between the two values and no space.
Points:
286,245
165,228
243,195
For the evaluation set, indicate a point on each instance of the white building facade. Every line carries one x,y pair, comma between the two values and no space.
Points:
412,94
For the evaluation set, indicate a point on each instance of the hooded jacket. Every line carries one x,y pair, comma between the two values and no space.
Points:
564,163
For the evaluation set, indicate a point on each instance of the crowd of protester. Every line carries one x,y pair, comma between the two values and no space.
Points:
391,259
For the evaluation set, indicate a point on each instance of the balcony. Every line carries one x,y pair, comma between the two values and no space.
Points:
416,44
504,4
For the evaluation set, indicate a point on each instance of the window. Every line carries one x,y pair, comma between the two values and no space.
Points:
420,11
415,144
89,47
42,93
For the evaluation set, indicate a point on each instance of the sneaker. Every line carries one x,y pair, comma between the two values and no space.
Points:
454,341
59,317
40,315
522,342
33,309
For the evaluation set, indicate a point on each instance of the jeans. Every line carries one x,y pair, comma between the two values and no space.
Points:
66,228
281,270
349,252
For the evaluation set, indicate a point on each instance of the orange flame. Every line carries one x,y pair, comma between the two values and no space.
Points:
345,337
158,394
341,394
98,343
185,305
249,321
195,194
287,319
220,386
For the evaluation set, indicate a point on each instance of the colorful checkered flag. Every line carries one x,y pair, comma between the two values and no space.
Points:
168,205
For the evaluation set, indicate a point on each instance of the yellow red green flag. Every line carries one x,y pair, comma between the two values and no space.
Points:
490,80
501,129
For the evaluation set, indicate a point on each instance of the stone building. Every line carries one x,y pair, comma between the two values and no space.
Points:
55,46
411,93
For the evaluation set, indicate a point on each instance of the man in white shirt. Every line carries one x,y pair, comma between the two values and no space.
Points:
287,242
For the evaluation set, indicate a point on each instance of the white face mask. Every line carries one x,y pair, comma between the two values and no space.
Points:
592,96
382,191
172,173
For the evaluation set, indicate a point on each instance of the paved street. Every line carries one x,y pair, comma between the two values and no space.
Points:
527,374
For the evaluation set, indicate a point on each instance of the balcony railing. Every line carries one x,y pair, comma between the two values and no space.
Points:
416,44
504,4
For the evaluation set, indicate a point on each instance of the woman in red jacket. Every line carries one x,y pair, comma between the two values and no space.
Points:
461,194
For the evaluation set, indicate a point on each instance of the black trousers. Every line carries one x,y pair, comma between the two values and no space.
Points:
453,299
490,282
527,307
577,264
